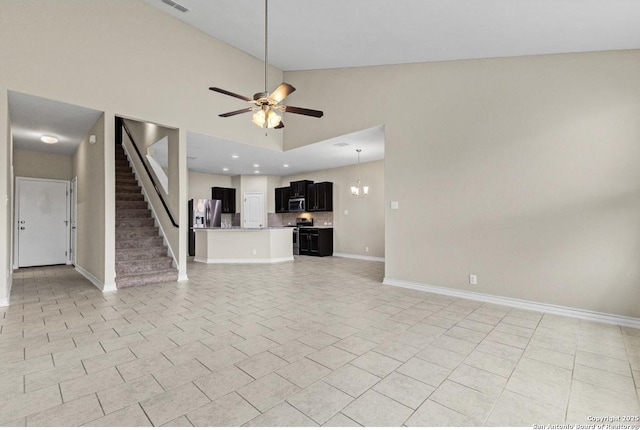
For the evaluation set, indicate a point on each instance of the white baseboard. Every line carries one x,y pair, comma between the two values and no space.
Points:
242,261
95,281
518,303
183,277
358,256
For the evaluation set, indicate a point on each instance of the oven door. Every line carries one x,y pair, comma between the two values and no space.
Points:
296,205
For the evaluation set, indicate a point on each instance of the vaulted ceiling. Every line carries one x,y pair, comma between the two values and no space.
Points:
306,34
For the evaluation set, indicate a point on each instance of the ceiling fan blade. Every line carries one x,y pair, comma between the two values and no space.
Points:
281,125
282,92
236,112
229,93
303,111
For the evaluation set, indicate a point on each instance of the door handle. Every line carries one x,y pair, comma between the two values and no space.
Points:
22,222
22,228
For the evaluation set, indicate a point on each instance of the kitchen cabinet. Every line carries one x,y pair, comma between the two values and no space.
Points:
282,199
228,197
299,188
320,197
316,241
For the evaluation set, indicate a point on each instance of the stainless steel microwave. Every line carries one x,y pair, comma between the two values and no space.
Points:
297,205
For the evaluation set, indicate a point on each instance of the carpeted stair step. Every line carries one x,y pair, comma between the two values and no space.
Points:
128,188
133,213
134,222
139,242
128,180
143,266
132,233
125,254
129,197
139,279
131,204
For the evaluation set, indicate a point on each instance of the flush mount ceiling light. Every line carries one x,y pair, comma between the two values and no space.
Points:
49,139
235,156
359,191
266,106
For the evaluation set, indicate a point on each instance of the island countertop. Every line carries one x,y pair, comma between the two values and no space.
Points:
244,245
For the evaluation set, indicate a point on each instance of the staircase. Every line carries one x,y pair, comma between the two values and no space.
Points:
141,256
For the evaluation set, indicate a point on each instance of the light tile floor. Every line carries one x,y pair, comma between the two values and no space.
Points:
316,342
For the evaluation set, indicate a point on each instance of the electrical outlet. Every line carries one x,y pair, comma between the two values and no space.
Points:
255,251
346,212
366,249
473,279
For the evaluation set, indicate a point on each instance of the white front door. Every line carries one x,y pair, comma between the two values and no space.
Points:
42,233
253,211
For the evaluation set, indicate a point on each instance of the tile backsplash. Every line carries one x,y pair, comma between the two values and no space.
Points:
280,220
228,220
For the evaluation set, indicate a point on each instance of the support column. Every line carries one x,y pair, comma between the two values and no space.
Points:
6,200
183,180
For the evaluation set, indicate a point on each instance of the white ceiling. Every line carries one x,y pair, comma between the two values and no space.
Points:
307,34
32,117
210,155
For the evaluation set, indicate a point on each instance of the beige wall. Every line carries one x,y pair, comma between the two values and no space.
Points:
117,56
520,170
363,225
200,184
89,167
36,164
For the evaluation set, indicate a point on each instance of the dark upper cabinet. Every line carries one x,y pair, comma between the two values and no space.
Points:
299,188
316,241
228,197
282,199
320,197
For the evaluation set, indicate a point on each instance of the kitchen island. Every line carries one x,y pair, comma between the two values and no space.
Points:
244,245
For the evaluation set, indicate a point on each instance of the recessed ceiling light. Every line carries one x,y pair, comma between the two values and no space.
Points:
49,139
256,165
256,171
235,156
285,165
226,169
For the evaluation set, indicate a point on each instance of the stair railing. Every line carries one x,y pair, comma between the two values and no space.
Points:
120,124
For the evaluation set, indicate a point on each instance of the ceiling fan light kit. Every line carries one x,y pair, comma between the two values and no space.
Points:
266,105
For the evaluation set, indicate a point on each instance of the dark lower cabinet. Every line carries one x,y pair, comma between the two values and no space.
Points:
228,197
316,241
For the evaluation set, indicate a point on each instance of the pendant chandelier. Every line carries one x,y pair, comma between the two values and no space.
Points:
359,191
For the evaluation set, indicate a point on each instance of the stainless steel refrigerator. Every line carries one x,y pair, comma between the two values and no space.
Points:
203,213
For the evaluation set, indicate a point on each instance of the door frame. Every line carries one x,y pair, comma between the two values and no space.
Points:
16,236
73,221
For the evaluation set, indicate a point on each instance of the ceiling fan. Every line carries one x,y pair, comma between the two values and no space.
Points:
265,105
